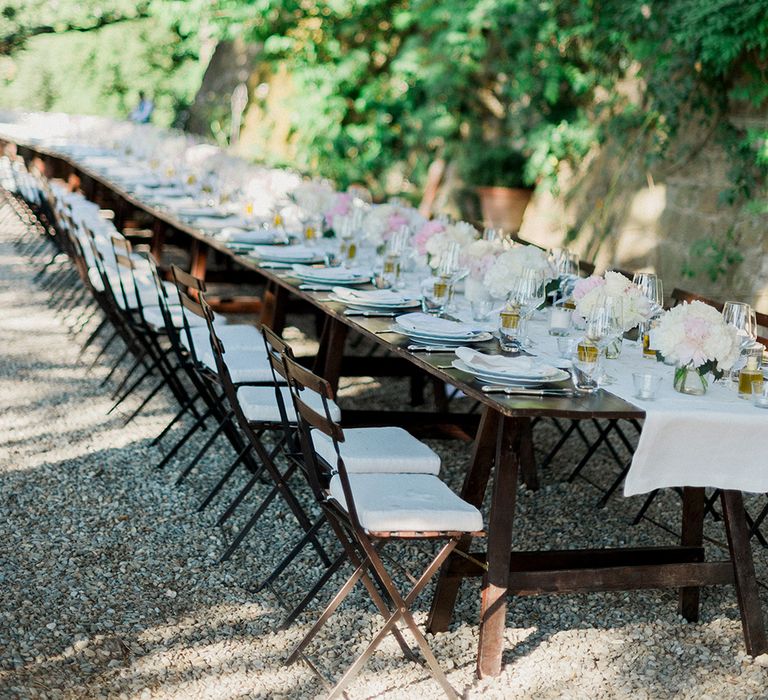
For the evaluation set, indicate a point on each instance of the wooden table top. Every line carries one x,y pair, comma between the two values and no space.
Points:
602,404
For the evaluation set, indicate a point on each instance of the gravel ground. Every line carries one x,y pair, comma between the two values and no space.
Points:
110,587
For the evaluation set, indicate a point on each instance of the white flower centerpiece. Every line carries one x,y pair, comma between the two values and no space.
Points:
698,340
436,236
314,197
507,267
383,220
478,257
589,292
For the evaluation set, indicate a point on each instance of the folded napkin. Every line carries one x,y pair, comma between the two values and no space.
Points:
373,296
329,273
288,253
499,364
233,234
214,223
424,323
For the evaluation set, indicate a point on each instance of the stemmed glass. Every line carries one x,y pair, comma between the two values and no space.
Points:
392,266
566,266
605,326
528,294
651,287
742,317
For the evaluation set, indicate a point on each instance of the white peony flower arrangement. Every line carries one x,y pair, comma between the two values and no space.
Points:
314,197
590,291
382,220
500,278
696,336
435,246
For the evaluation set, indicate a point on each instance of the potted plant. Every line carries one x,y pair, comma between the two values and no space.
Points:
494,170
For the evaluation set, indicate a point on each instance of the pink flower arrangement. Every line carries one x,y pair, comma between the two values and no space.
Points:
696,335
341,206
585,285
429,229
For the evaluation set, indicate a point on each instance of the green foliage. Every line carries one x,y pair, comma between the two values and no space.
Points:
93,57
509,89
713,257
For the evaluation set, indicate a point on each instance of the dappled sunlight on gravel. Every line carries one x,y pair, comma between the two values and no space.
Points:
110,587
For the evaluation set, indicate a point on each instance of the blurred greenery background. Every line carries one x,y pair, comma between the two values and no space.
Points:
373,91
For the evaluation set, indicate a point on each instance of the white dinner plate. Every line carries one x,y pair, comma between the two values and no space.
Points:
506,378
286,254
476,337
363,305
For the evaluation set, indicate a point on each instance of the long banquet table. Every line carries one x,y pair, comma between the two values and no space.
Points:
502,454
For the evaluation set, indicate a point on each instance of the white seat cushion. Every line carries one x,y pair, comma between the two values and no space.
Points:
239,336
259,404
407,503
154,317
379,451
243,365
95,278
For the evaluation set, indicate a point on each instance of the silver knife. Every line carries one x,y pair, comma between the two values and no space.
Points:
512,391
315,288
431,348
372,314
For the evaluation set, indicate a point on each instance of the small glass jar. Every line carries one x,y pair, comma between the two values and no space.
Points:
560,320
751,375
511,332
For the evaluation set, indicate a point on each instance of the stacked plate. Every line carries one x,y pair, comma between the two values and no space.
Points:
286,255
243,238
374,299
194,212
430,330
331,275
511,371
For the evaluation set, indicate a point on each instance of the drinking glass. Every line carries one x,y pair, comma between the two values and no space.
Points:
605,326
742,317
392,266
511,327
530,291
585,368
435,292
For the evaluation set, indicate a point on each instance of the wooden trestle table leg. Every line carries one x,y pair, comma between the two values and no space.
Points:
473,491
744,572
493,603
274,307
692,536
330,355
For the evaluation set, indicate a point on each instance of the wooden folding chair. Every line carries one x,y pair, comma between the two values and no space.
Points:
367,511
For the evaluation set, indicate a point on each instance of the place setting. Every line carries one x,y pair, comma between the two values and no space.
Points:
242,240
324,278
286,256
512,375
434,334
372,302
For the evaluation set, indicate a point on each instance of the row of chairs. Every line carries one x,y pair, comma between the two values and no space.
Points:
350,491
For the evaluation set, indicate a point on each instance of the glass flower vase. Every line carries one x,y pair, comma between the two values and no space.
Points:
690,380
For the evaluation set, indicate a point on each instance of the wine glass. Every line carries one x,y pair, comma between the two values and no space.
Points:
566,266
605,326
392,266
528,294
652,288
742,317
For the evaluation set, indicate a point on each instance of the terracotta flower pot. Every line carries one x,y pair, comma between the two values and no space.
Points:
503,207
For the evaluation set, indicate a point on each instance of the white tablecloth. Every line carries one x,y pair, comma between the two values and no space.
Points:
717,440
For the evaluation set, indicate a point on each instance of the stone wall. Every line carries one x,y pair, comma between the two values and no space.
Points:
621,214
